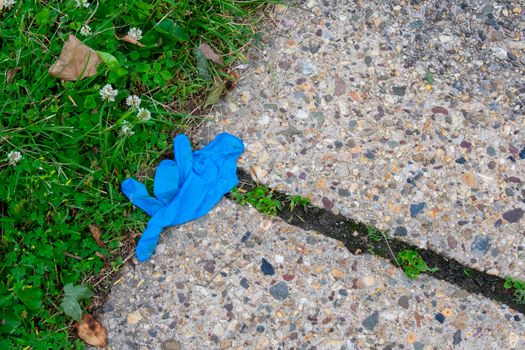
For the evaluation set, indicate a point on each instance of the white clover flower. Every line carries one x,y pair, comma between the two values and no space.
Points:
135,33
14,157
83,3
9,3
133,101
85,30
143,114
107,93
126,129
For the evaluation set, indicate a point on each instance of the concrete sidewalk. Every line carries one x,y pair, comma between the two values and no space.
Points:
340,106
208,288
407,115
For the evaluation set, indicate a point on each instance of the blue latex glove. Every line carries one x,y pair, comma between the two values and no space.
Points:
185,188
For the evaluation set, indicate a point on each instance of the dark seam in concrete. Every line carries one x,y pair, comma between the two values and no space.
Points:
354,235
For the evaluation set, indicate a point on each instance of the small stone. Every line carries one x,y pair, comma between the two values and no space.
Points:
209,266
400,231
452,242
171,344
456,338
417,24
134,317
308,68
499,52
246,236
466,144
513,215
419,346
399,90
403,302
368,60
416,209
522,153
327,203
340,87
368,280
288,277
343,192
440,317
267,268
370,155
480,246
439,110
226,343
244,283
337,273
461,160
491,151
371,321
279,290
469,178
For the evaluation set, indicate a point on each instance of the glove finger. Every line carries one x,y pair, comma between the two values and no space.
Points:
166,185
139,196
148,242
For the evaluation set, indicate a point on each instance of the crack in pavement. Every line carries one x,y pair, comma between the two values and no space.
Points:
354,235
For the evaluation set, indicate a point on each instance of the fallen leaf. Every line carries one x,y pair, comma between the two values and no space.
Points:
70,302
92,332
95,232
131,40
10,74
76,61
208,52
215,93
203,69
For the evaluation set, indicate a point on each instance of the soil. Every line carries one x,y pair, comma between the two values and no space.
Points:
355,237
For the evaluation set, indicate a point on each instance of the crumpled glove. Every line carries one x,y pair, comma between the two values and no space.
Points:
185,188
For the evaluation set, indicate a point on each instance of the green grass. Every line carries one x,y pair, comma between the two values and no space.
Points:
413,264
77,149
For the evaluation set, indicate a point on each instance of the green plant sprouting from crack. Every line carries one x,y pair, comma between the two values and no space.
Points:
413,264
519,288
374,234
298,200
261,198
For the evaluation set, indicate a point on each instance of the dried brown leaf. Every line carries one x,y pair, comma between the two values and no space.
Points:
208,52
131,40
10,74
95,232
92,332
76,61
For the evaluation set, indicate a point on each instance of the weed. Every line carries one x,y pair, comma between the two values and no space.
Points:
298,200
64,152
374,234
413,264
260,198
467,272
519,288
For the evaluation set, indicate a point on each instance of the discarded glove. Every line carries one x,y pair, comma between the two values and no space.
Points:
185,188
